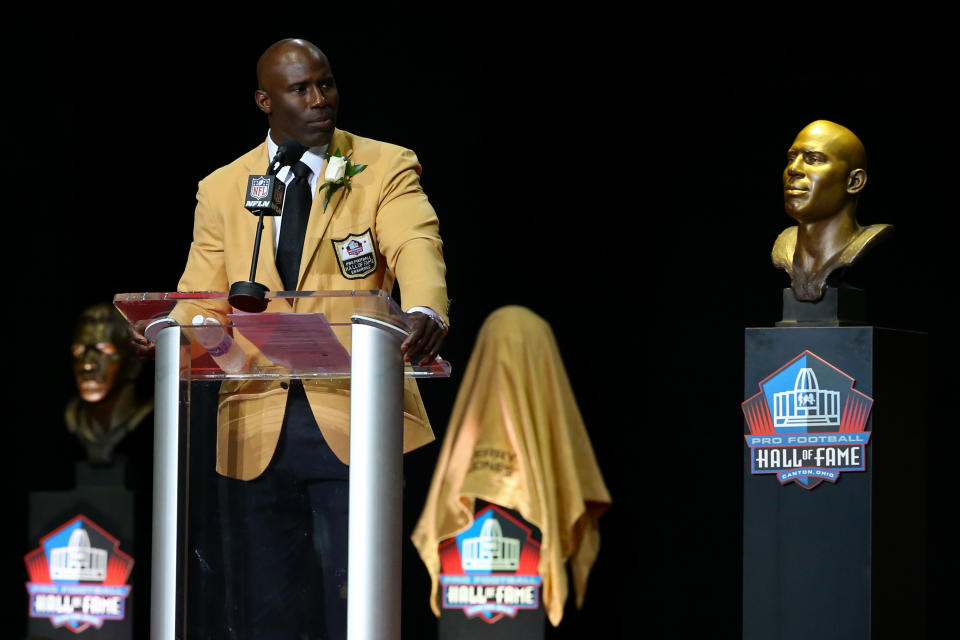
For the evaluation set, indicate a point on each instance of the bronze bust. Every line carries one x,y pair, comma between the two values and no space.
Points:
107,408
825,174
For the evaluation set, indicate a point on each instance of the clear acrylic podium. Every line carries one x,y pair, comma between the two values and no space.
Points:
344,334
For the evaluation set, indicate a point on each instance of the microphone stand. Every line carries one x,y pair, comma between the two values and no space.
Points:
250,295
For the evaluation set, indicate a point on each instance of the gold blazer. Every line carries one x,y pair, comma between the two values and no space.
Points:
387,202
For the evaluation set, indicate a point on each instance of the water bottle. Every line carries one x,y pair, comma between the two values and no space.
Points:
219,344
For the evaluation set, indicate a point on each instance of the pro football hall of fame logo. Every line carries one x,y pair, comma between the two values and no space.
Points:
78,576
807,423
490,570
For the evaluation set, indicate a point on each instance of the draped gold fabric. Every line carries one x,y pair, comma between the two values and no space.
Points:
516,439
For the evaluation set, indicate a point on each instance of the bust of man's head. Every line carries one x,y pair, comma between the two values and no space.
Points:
107,407
100,352
825,174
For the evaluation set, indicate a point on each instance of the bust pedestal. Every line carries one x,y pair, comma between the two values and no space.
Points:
842,558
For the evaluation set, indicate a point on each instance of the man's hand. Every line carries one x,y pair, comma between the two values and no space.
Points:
143,348
423,344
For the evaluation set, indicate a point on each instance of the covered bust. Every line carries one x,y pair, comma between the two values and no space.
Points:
515,405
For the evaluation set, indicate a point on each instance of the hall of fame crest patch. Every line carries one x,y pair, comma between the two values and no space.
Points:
356,255
807,424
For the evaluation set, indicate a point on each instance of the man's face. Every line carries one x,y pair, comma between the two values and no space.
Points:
96,361
300,96
816,178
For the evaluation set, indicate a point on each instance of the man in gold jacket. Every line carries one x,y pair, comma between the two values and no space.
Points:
290,440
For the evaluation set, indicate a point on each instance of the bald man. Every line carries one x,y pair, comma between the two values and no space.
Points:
825,174
286,443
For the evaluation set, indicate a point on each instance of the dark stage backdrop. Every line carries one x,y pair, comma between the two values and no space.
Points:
621,178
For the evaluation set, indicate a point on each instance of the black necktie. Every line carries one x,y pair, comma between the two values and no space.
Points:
293,226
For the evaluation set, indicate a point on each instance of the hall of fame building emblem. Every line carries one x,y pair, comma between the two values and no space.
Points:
78,576
490,570
807,423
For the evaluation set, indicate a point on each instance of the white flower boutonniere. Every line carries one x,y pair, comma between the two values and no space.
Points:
336,167
339,171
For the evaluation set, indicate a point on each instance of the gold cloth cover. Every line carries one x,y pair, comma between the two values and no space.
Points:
516,439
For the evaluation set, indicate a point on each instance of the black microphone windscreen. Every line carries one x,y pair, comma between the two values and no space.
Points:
290,151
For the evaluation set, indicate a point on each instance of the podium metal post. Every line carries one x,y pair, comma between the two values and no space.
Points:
166,432
376,478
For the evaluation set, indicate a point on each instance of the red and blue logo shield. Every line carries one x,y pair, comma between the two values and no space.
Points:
807,424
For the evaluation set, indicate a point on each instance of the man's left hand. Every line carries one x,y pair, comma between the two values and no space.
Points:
423,344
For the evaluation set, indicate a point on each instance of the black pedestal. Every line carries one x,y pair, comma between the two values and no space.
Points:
458,620
837,307
844,559
103,508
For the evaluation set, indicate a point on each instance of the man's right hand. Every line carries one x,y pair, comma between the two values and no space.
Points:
143,348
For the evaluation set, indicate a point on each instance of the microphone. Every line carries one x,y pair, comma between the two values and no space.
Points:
289,152
264,197
264,191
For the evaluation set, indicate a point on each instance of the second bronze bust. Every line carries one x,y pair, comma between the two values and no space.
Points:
822,182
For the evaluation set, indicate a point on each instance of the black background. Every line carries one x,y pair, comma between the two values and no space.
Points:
618,174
